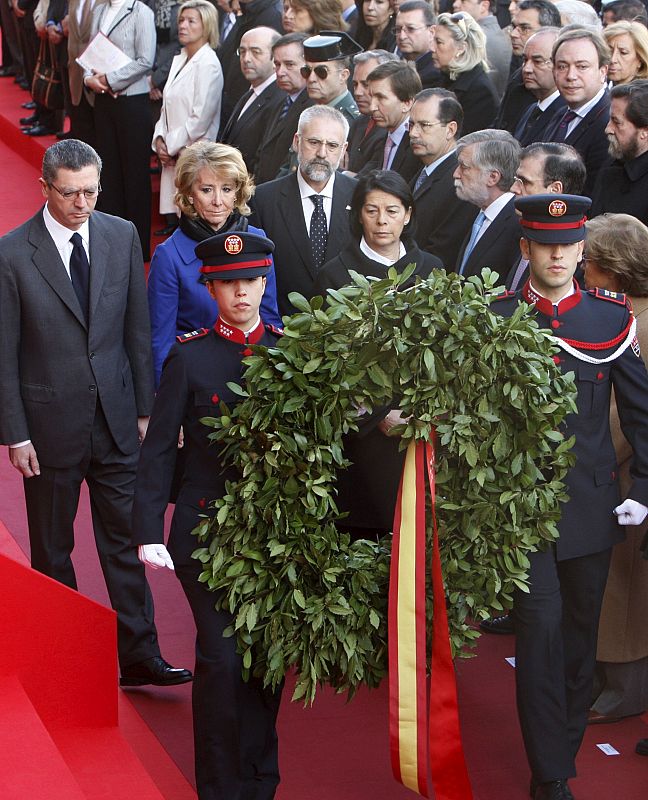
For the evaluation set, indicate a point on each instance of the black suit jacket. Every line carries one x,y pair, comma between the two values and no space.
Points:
54,367
515,102
247,132
536,131
405,162
365,148
277,208
278,137
499,246
589,138
442,219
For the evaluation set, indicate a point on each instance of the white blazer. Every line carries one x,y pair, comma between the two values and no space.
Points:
191,105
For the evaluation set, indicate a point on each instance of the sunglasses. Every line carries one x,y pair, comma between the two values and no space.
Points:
459,19
320,70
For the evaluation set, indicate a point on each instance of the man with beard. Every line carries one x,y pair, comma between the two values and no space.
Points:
622,187
305,213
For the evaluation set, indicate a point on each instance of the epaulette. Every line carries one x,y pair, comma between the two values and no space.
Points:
189,337
504,295
274,329
613,297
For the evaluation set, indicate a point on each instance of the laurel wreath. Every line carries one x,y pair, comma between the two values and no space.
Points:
302,595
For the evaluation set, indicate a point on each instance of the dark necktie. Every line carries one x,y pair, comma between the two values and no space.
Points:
285,108
80,272
525,124
318,230
422,177
561,133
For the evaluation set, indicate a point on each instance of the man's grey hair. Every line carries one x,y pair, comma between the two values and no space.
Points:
381,56
494,150
71,154
322,112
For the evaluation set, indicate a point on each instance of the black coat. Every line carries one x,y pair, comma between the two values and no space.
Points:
368,488
622,188
442,219
589,138
255,13
430,75
277,139
476,93
498,247
365,148
246,132
277,208
515,102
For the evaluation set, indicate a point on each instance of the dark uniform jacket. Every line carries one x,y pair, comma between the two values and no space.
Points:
622,188
595,324
194,383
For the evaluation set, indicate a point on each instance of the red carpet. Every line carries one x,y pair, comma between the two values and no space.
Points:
334,751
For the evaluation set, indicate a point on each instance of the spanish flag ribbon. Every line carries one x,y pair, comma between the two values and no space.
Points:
424,741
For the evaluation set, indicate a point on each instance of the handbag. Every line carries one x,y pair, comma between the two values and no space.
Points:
47,86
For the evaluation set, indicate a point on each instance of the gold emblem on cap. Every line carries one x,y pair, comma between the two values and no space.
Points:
233,245
557,208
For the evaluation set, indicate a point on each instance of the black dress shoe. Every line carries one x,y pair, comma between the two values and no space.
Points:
29,121
39,130
154,671
501,625
30,105
553,790
23,83
642,747
7,72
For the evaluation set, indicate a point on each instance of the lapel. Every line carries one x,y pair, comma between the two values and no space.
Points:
278,126
592,116
493,232
99,255
290,208
401,153
231,122
339,218
182,68
449,165
48,262
123,12
266,96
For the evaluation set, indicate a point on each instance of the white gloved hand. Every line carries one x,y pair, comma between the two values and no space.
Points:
154,555
630,512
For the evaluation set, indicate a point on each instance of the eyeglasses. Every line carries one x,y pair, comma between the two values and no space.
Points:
73,194
321,70
315,144
424,126
410,28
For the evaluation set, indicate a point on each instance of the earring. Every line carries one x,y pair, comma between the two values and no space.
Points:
191,200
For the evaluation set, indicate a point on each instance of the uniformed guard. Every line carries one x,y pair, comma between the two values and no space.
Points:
327,69
557,621
234,721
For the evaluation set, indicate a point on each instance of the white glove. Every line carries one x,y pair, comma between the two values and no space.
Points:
630,512
154,555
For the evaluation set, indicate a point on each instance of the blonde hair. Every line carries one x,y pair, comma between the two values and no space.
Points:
208,17
224,160
619,243
639,35
466,31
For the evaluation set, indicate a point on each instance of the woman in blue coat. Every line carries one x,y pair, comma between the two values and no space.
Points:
213,188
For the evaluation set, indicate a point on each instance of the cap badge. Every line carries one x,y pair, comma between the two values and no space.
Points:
557,208
233,245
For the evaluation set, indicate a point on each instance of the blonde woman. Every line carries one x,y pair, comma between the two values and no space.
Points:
459,50
628,43
192,97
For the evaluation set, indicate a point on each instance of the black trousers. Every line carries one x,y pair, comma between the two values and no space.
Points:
52,500
82,124
556,628
235,737
123,131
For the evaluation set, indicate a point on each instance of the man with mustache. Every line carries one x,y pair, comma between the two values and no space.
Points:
305,213
622,187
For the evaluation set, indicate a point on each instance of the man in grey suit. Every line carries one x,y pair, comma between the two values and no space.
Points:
305,213
76,389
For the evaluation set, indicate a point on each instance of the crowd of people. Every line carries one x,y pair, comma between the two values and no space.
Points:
318,137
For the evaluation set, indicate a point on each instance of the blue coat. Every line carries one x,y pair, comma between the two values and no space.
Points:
179,304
